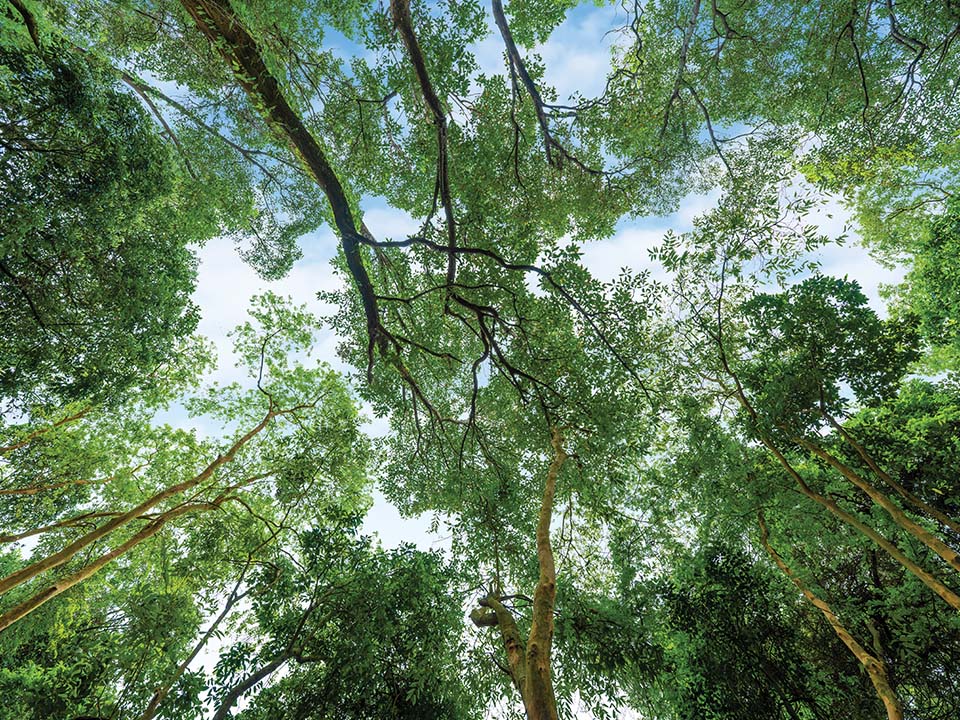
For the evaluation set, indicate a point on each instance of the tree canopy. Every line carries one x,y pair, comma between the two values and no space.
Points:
720,484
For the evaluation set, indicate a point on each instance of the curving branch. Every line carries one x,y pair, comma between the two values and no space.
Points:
28,20
26,440
155,111
550,279
61,585
49,562
518,69
400,11
681,65
219,23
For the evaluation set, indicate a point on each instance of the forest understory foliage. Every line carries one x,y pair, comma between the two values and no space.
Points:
722,485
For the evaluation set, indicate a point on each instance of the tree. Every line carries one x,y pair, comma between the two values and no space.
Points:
96,258
298,434
363,632
929,290
734,644
528,402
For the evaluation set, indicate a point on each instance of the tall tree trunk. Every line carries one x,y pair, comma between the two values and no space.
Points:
875,667
240,688
400,12
219,23
162,691
529,664
539,699
20,611
948,596
874,466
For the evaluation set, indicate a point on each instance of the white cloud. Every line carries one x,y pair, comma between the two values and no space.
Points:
629,248
576,55
850,259
631,244
386,222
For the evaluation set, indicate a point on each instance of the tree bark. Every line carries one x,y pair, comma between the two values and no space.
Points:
948,554
85,518
874,466
240,688
948,596
161,692
218,22
60,586
875,667
400,12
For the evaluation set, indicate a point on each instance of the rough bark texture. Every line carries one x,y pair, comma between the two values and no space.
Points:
539,700
874,666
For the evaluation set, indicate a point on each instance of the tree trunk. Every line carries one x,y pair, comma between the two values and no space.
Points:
20,611
161,692
529,664
875,667
948,554
948,596
227,35
539,699
933,512
240,688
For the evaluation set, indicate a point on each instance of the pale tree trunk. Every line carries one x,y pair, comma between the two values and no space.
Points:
874,466
921,533
529,664
161,692
948,596
874,665
20,611
82,519
945,593
59,558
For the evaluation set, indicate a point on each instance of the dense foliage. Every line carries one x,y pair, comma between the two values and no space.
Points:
721,485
